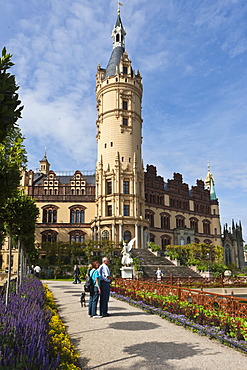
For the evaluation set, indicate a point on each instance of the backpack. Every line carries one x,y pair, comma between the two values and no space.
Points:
89,285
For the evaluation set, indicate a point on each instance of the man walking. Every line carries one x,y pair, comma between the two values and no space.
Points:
105,280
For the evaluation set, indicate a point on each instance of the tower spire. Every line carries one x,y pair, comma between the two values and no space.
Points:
118,37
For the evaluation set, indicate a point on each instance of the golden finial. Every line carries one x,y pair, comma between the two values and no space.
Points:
119,4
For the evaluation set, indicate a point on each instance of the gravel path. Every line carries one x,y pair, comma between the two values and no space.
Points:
133,339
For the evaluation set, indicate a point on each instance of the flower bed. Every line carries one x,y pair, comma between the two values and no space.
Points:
26,340
225,328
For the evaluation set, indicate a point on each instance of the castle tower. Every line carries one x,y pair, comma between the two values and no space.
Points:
44,165
215,211
119,171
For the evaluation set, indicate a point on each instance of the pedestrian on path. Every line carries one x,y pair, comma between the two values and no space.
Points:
89,268
105,281
37,270
76,275
94,295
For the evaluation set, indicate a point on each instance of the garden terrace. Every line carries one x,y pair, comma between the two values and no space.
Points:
230,305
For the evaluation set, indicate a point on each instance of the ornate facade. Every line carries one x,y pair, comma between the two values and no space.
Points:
121,200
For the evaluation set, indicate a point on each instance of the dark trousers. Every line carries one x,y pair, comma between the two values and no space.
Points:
76,279
93,300
104,297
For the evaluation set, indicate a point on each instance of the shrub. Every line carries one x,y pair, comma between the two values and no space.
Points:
24,338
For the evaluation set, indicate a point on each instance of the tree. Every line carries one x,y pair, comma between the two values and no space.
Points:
20,214
198,254
10,109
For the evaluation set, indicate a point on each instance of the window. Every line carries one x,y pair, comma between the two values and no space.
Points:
126,187
165,221
77,237
109,187
206,227
125,70
126,210
194,224
165,240
152,238
49,236
49,215
77,216
180,221
125,122
109,210
125,105
149,215
127,236
228,257
105,235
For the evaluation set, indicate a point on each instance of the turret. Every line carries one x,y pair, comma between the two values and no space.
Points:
44,165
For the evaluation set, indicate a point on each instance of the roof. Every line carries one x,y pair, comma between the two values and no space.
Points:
114,61
118,21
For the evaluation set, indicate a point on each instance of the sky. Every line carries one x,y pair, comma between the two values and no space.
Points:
192,55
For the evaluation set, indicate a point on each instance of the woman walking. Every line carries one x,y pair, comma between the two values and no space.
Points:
94,295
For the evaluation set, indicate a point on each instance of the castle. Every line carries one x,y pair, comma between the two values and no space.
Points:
122,200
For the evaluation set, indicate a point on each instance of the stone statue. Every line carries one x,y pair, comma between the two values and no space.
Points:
126,259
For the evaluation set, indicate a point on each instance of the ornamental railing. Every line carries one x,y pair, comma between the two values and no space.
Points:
231,305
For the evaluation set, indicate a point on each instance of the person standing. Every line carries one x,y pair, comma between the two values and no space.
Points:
159,274
105,280
37,270
88,270
76,275
94,295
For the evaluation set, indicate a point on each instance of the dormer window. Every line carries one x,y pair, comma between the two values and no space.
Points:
125,70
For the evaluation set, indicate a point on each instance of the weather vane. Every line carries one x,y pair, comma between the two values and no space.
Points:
119,4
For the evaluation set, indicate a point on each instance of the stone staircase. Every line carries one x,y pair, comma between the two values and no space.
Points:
149,264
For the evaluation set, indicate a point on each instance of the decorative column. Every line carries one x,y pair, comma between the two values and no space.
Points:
120,232
136,235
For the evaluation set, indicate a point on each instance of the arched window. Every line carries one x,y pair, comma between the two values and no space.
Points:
77,236
127,236
49,215
180,221
152,238
105,235
165,221
49,236
188,240
77,215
